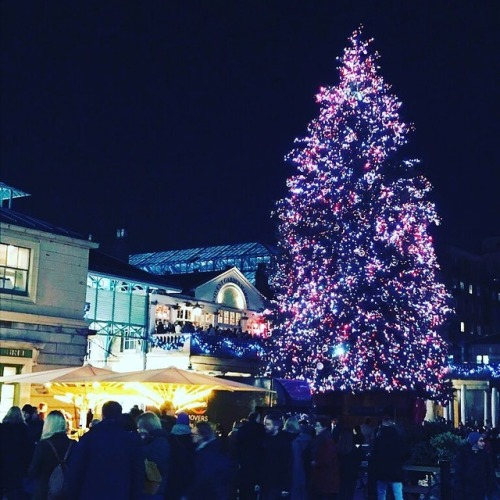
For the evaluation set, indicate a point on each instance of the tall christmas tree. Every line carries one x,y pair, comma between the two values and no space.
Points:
358,300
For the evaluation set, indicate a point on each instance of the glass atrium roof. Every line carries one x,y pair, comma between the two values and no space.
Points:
202,254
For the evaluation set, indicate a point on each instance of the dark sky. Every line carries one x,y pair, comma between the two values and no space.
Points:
172,118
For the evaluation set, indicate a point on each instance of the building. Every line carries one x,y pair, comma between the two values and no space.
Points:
474,332
64,302
43,276
254,260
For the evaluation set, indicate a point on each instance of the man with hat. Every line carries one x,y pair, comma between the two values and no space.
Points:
474,470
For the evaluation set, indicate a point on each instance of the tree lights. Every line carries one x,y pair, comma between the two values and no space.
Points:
358,301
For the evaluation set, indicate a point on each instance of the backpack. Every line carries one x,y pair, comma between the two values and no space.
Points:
56,480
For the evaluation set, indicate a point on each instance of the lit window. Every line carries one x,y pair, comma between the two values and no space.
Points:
14,269
130,342
482,359
462,326
462,285
470,289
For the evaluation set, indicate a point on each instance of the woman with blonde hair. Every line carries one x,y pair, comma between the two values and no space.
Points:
156,449
14,453
53,447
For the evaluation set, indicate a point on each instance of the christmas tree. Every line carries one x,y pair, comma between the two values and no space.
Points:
357,295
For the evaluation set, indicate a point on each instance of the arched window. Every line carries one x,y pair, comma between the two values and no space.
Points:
230,295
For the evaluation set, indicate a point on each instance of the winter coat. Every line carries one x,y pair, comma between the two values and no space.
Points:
107,464
157,449
349,464
474,475
325,467
44,462
213,476
390,451
301,466
181,461
15,454
276,463
249,449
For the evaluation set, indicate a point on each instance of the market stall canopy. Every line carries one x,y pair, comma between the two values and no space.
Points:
183,389
72,374
176,376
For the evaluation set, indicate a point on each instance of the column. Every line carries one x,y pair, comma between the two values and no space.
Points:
463,416
451,409
446,412
486,406
429,410
494,407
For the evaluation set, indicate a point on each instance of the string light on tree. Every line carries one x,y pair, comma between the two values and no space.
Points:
358,302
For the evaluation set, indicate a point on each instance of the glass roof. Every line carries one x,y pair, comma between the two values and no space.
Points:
9,193
239,250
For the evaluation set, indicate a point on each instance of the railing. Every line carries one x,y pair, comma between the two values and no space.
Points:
420,481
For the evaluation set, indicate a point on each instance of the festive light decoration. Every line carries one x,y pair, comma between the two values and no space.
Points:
246,346
168,342
481,372
358,302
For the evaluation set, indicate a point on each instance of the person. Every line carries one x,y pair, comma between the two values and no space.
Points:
181,458
15,453
276,460
249,445
42,410
324,463
232,439
35,425
212,478
474,470
368,431
44,460
156,448
350,456
301,461
335,428
387,459
107,462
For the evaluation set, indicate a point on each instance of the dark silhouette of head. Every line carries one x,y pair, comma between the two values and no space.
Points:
111,410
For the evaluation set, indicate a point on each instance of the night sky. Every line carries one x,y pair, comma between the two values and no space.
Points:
172,118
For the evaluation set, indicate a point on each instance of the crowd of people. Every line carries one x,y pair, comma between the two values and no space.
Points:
146,455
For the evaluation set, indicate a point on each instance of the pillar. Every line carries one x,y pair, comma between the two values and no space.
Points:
463,416
486,406
494,407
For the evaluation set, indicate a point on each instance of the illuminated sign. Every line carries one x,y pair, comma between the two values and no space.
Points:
225,281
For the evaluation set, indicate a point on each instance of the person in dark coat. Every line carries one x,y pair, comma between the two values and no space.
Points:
276,460
324,463
108,462
15,453
249,445
301,462
389,453
44,459
34,423
182,451
213,478
474,470
156,449
350,456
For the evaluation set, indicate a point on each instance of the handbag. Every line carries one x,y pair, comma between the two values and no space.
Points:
153,478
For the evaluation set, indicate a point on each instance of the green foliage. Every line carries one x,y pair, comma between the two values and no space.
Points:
431,449
446,445
423,454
